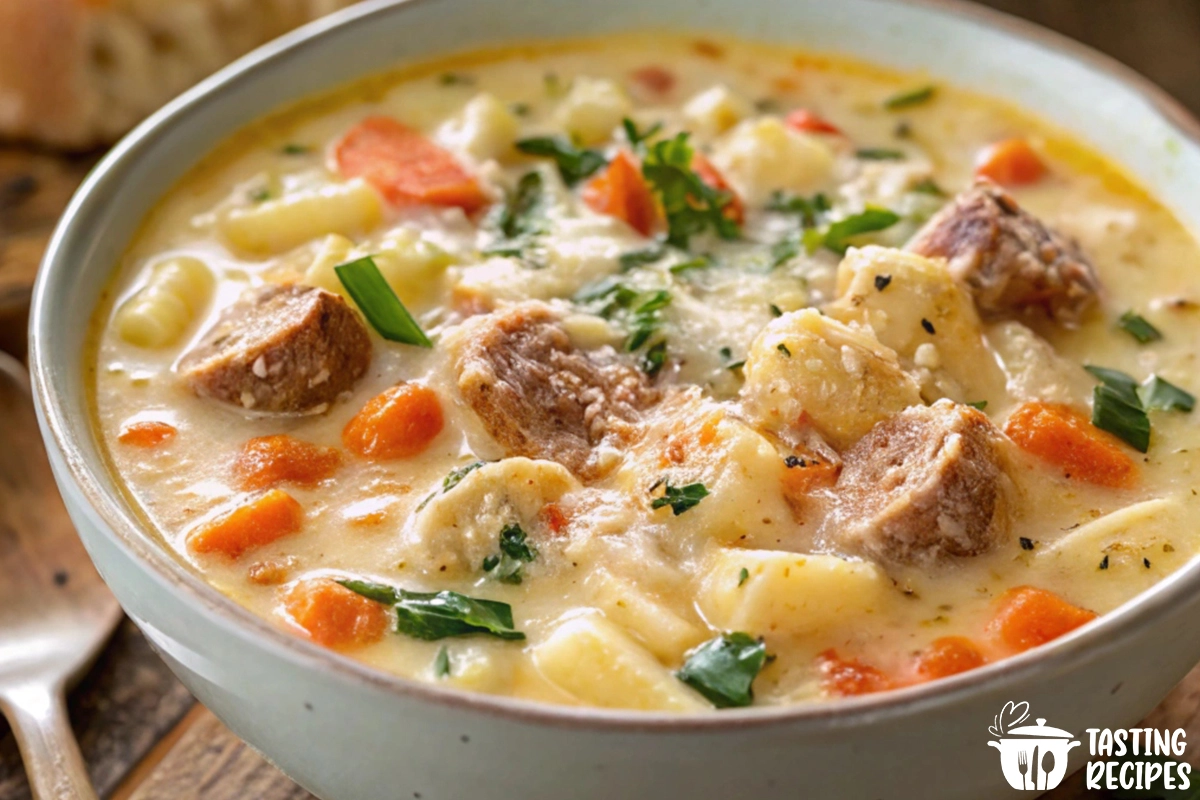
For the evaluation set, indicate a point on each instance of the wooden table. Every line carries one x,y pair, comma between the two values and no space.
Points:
144,736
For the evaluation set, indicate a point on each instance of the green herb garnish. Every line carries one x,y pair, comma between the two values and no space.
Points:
438,615
451,480
520,109
441,664
879,154
1161,395
928,186
646,319
366,286
699,262
723,669
809,208
521,219
295,149
260,195
868,221
515,553
574,163
743,576
455,79
638,138
914,97
680,498
654,358
783,348
638,258
1111,412
978,405
691,205
1136,326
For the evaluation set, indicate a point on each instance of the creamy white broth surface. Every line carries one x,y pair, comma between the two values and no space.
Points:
622,595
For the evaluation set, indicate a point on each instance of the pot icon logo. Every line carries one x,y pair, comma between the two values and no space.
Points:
1033,757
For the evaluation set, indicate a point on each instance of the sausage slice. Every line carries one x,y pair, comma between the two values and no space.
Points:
539,396
1011,261
280,349
923,485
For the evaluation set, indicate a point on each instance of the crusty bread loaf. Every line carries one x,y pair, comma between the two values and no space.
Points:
79,73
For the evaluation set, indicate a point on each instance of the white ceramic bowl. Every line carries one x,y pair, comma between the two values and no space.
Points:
348,733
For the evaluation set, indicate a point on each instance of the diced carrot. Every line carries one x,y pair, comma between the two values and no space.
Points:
620,191
1061,435
333,615
1028,617
704,168
267,517
654,78
555,518
849,676
1012,162
270,460
806,121
400,422
948,656
146,434
405,166
803,474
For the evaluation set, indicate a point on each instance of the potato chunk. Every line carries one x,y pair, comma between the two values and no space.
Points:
485,129
661,630
593,109
596,662
763,155
716,110
841,378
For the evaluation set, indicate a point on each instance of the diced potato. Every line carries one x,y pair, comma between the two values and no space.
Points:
411,265
485,129
788,593
276,226
592,109
334,250
661,630
762,155
1033,370
716,110
159,313
592,659
588,331
842,378
920,297
457,529
478,669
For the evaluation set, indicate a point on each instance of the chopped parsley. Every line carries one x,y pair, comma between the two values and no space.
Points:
928,186
521,219
646,319
653,359
784,250
743,576
379,304
441,664
776,311
515,552
451,480
455,79
723,669
295,149
638,258
978,405
679,498
809,208
783,348
727,358
640,311
438,615
913,97
870,220
574,163
1136,326
691,206
259,195
637,139
879,154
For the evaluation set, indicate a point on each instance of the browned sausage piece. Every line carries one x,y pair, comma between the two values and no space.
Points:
540,397
1011,261
281,349
924,484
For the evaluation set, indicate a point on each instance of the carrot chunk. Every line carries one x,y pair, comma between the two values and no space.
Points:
620,191
1060,435
735,209
266,461
400,422
849,676
806,121
267,517
804,474
948,656
1012,162
146,434
405,166
333,615
1028,617
555,518
656,79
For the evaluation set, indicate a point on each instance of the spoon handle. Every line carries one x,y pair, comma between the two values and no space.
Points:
38,716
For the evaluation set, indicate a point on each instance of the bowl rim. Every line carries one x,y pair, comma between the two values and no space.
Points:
120,526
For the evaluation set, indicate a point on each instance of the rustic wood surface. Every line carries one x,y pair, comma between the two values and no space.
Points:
140,731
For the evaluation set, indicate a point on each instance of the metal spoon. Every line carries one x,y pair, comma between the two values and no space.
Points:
55,612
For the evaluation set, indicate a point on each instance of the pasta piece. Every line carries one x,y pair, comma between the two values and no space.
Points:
591,659
592,109
159,313
275,226
661,630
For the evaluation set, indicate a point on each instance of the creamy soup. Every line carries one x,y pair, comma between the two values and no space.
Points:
659,373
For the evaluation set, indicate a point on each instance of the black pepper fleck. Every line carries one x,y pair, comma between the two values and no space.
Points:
1104,563
1026,543
928,326
61,577
882,281
1146,561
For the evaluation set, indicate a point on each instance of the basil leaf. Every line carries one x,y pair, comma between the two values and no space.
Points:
451,480
867,221
879,154
515,552
1159,394
378,592
680,498
574,164
1136,326
910,98
1111,412
441,664
437,615
1122,384
654,358
366,286
521,219
723,669
691,206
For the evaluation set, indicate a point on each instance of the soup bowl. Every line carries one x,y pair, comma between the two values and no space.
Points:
347,732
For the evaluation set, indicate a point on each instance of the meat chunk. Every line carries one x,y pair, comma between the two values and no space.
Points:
539,396
1012,263
280,349
926,484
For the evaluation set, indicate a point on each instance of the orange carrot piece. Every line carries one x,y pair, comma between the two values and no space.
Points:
1060,435
804,474
400,422
1012,162
267,517
948,656
806,121
333,615
405,166
555,518
1028,617
656,79
146,434
735,210
266,461
849,676
621,192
